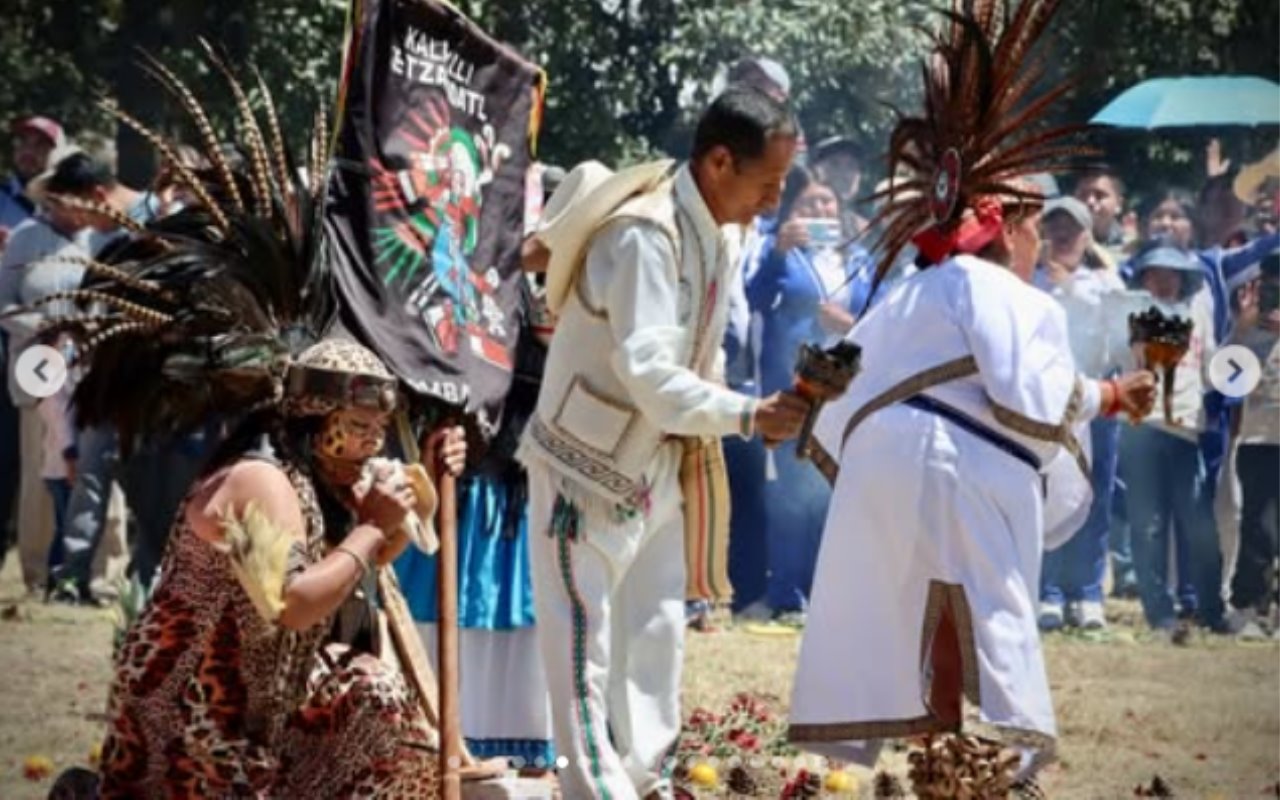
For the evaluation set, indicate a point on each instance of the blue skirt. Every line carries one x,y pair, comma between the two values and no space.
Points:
495,591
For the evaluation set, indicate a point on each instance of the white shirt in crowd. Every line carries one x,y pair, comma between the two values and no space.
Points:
1081,295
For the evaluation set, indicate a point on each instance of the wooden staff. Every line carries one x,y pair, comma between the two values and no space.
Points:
447,634
457,765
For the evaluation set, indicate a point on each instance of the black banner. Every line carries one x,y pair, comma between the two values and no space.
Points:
426,204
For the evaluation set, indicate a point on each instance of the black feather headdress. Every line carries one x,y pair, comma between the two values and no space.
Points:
200,313
980,132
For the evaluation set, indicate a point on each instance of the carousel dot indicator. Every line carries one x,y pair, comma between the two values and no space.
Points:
562,762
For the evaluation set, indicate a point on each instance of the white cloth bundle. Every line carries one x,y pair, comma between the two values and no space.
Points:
419,524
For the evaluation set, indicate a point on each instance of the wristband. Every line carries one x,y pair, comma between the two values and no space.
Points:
360,560
1115,405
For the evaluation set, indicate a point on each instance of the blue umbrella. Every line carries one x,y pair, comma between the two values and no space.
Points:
1192,102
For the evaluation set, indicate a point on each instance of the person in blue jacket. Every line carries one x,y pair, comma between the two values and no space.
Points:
810,288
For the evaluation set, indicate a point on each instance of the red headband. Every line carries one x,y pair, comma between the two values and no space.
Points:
972,233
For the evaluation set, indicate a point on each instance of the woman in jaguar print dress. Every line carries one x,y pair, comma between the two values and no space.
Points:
250,674
225,685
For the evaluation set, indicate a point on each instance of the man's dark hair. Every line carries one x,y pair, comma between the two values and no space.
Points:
1102,171
80,173
742,120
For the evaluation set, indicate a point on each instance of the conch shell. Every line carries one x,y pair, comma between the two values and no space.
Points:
419,524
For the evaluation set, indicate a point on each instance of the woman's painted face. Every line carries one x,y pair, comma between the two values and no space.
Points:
353,434
816,202
1169,220
1164,284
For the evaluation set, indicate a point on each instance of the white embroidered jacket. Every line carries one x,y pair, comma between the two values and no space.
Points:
637,347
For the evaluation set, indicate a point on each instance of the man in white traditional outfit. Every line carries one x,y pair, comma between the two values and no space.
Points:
958,449
630,378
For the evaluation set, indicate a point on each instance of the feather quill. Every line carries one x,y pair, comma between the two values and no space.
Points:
979,82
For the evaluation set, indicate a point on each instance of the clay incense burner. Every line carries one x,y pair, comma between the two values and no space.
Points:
820,376
1162,340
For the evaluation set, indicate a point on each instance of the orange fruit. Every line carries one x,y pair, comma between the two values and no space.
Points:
840,782
704,775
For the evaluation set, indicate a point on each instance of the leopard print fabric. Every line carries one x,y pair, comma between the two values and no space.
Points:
335,355
212,701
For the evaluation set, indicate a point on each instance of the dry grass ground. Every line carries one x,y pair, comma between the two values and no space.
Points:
1206,717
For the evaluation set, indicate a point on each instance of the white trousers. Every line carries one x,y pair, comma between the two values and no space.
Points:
610,609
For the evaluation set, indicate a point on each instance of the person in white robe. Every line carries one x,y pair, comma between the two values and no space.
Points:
960,459
934,519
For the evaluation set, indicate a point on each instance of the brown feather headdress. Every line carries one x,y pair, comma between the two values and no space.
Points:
202,314
979,132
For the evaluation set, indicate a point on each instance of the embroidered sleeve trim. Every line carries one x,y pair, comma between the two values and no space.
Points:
1062,433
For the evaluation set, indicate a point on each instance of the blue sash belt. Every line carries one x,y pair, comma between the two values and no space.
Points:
979,429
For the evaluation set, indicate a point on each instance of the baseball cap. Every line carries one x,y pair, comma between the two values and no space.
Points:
41,125
833,145
774,72
1047,184
1067,204
1166,256
71,171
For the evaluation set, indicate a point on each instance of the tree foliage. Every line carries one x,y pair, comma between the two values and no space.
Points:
61,56
627,77
1109,45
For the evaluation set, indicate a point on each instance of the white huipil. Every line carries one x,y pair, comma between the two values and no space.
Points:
927,515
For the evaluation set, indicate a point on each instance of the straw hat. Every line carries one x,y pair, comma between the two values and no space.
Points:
1252,177
583,201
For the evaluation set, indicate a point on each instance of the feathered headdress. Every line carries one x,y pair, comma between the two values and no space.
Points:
201,313
962,158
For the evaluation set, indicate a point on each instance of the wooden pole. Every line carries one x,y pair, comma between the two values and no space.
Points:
447,635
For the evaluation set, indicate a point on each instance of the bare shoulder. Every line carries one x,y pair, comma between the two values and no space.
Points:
233,490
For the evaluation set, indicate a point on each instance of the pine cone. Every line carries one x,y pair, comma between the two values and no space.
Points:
1157,788
741,781
810,786
888,787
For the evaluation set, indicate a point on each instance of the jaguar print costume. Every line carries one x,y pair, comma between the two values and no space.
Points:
212,701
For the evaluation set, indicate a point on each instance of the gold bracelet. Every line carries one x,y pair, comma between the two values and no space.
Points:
360,560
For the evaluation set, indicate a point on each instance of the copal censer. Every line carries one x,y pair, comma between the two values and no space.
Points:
820,376
1162,340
